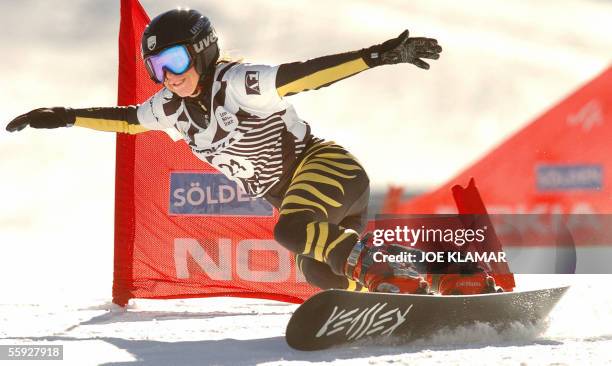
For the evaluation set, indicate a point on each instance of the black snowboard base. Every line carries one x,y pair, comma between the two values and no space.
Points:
335,317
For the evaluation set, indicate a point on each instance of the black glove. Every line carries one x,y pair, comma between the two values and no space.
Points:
43,118
403,49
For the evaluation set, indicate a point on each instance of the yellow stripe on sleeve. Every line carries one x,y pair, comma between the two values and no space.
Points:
109,125
323,77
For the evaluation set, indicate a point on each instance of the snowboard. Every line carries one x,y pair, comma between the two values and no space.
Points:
336,317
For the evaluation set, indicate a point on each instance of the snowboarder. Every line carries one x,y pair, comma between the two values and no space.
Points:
234,116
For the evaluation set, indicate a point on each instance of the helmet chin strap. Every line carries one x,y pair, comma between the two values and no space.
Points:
205,63
205,79
205,76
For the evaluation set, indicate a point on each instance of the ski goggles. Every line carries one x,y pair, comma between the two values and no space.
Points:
175,59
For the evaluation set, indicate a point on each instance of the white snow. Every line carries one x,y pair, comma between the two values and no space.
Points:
233,331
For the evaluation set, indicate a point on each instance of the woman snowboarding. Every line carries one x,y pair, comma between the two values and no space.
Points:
234,117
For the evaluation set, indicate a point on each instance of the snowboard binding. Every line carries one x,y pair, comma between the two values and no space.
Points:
364,266
464,279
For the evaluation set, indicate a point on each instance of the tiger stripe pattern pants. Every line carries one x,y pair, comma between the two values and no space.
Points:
322,212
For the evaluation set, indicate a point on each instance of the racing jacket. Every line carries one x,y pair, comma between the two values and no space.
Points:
239,123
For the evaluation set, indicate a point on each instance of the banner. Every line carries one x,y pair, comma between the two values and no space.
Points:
560,163
554,175
181,228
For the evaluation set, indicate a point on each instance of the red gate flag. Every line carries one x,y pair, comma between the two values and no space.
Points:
560,163
182,229
556,169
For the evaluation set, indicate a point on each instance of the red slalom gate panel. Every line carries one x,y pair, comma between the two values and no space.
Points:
469,202
182,229
561,163
472,214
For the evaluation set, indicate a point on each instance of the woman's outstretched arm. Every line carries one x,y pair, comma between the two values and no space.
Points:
296,77
130,119
112,119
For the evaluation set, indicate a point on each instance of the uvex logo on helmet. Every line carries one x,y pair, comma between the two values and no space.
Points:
199,25
151,42
205,42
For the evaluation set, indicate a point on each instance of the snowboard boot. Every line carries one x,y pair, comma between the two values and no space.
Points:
469,279
383,276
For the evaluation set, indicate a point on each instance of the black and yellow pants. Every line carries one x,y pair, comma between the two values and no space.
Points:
323,210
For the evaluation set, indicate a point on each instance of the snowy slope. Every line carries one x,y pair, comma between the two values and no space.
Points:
230,331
